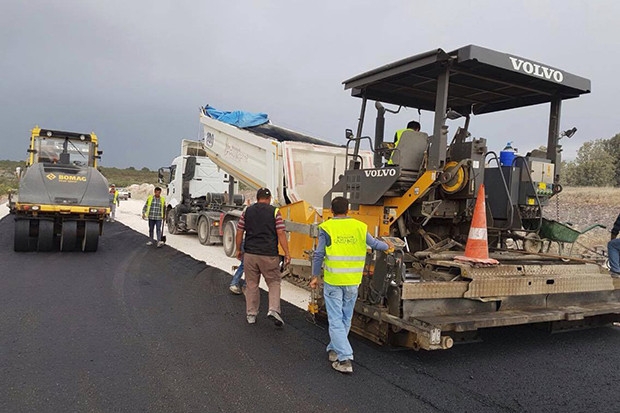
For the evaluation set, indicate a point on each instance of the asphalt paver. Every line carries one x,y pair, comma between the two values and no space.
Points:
142,329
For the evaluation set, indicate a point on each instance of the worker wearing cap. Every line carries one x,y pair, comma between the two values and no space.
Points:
113,198
264,229
411,126
342,244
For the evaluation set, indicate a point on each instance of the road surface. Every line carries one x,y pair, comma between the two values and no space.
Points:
137,329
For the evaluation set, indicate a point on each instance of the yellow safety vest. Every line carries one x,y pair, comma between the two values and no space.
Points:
115,199
149,200
399,133
346,255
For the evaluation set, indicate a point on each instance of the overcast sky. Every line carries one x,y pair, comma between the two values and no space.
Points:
135,72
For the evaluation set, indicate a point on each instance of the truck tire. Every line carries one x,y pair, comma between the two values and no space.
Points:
91,236
171,220
21,241
229,240
203,229
68,236
45,240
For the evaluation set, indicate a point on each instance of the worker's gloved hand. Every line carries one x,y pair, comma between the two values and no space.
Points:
239,254
314,283
613,236
143,216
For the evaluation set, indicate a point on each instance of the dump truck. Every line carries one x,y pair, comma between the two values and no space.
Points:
197,192
420,295
62,199
294,166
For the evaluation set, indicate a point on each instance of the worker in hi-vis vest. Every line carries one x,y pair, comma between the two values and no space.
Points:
154,210
414,126
342,244
113,198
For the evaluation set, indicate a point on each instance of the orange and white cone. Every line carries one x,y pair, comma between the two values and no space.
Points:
477,247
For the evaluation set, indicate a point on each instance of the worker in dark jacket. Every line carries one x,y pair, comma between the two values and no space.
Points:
264,229
613,250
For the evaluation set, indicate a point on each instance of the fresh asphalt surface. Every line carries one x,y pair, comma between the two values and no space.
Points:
138,329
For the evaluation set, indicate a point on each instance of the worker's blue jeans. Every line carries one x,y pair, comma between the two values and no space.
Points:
155,224
613,251
236,279
339,303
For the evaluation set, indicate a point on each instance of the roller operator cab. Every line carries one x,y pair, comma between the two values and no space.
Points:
62,199
422,194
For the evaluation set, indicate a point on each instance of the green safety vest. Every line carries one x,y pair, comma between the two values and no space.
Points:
149,201
399,133
346,256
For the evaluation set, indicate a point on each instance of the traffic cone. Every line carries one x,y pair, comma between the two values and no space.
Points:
477,247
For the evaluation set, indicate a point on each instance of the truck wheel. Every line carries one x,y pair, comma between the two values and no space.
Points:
91,236
21,241
45,240
68,236
229,240
171,221
203,230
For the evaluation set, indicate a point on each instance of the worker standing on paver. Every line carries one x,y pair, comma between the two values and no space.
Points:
264,228
154,210
342,243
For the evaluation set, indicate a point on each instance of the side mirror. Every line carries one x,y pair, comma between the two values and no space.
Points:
568,133
348,134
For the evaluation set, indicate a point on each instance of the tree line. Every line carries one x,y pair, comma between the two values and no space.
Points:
597,164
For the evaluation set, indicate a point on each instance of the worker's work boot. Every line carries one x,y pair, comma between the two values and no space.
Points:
235,289
275,317
332,356
149,243
251,318
160,244
343,366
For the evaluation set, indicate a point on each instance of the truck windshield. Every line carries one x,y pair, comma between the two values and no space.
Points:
49,150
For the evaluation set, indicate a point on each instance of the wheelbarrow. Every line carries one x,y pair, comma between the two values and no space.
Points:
552,231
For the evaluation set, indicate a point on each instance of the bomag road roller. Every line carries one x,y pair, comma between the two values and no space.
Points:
62,198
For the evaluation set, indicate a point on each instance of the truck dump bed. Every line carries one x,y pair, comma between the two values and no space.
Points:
294,166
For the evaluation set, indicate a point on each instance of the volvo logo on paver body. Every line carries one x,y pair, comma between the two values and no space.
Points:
379,173
535,69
